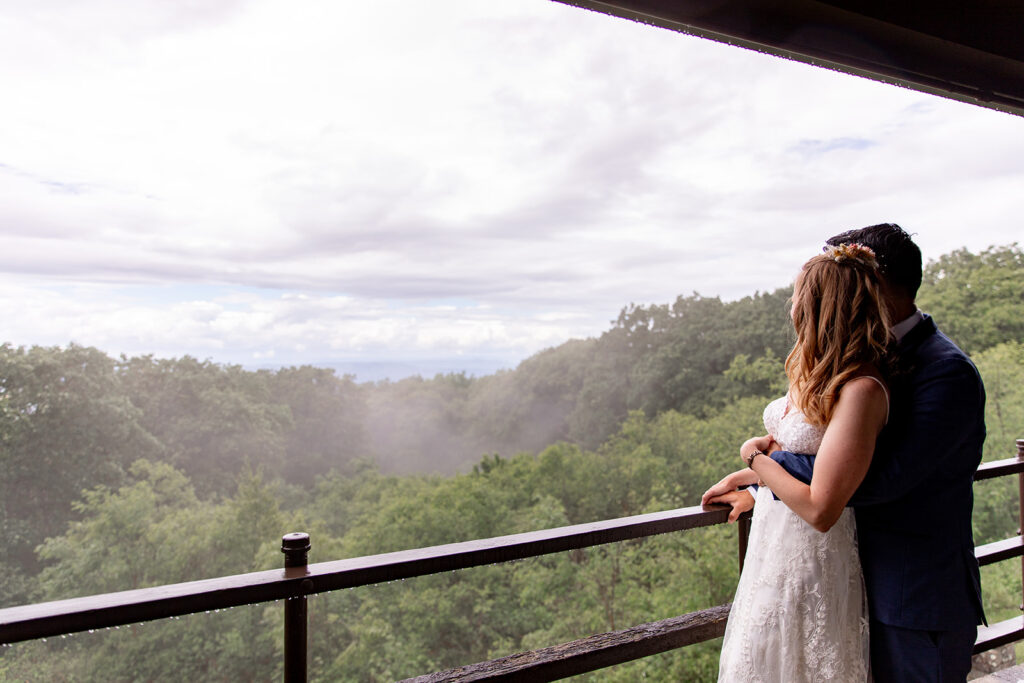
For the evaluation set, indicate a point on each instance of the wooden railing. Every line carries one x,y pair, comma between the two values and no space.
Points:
298,579
1010,630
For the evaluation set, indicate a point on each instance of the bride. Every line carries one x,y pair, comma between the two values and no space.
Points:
800,613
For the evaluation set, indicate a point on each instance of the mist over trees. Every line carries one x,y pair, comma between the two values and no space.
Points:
132,472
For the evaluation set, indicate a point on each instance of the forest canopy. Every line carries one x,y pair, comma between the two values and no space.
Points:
197,469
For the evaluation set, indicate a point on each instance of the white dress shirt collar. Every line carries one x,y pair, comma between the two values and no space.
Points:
900,329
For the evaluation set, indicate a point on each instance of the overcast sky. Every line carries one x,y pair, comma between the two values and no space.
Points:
269,182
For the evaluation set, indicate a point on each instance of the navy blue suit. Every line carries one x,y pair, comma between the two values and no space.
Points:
914,509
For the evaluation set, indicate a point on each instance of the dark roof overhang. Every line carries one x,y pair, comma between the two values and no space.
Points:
971,50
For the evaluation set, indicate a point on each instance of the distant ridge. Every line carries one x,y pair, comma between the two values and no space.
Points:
395,370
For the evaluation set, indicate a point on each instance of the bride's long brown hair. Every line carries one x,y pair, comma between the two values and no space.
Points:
841,326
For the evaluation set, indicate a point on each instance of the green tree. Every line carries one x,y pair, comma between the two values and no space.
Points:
66,424
764,376
213,420
328,421
977,299
996,501
685,348
152,531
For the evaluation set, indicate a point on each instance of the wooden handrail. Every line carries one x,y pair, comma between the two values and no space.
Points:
47,619
999,468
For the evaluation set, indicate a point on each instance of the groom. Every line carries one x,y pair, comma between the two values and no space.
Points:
913,508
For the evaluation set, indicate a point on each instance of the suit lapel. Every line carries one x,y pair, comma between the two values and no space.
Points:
905,352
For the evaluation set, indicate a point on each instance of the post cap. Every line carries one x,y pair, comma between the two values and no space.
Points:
297,541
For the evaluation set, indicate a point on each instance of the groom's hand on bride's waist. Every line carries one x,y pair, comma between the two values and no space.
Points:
739,501
799,465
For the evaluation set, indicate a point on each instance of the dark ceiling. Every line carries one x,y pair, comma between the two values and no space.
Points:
972,50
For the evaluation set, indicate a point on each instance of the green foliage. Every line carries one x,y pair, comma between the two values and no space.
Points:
764,376
165,533
328,415
72,419
66,424
418,425
687,347
996,501
533,406
1002,370
977,299
212,420
153,531
226,461
414,626
1001,594
654,358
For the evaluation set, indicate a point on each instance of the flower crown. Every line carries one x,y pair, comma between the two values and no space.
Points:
851,251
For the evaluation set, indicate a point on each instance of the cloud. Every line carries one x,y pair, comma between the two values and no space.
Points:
260,179
247,327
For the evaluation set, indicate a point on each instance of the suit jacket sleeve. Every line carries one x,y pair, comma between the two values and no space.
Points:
799,465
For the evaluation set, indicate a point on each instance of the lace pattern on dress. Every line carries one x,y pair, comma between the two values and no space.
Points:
790,429
800,613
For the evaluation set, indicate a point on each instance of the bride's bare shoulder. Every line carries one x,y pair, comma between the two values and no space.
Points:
868,390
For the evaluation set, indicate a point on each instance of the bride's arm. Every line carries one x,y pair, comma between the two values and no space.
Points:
745,477
842,460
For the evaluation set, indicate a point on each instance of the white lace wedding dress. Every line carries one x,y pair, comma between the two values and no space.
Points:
800,613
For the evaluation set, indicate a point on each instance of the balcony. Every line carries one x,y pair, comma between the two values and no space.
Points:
298,580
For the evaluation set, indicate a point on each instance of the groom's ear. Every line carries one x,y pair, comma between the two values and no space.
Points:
898,301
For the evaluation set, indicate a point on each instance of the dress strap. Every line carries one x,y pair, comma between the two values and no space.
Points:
885,390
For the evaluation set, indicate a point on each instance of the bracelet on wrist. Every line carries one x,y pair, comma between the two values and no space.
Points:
750,458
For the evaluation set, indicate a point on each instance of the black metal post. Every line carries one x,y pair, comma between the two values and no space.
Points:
296,554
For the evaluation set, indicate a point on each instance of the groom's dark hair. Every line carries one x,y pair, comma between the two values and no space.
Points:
899,259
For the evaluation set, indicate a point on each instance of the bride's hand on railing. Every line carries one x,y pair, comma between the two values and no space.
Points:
728,484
